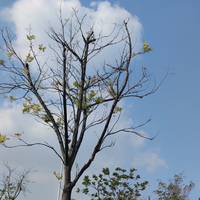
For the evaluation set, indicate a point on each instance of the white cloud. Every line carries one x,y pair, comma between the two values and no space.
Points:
138,142
9,117
12,121
40,14
149,159
93,3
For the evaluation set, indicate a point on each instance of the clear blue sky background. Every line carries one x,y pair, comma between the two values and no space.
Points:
172,29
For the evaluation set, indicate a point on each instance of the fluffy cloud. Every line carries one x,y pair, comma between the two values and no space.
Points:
149,159
13,121
102,16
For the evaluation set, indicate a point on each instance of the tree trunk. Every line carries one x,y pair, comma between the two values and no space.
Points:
66,195
67,190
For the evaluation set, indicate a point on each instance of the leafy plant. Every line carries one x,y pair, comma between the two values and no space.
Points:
13,183
119,185
175,189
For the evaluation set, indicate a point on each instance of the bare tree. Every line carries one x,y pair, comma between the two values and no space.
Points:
66,95
13,183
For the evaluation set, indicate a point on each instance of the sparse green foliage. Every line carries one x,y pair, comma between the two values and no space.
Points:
9,54
146,48
41,48
117,109
13,184
46,118
35,108
75,83
58,175
30,37
18,134
116,186
2,62
3,138
29,58
60,121
175,189
11,98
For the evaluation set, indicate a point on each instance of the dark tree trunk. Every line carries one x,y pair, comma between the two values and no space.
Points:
66,195
67,190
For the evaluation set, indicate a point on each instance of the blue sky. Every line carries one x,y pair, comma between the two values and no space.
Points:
172,30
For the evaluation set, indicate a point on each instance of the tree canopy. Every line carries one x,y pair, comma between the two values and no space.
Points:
175,189
116,186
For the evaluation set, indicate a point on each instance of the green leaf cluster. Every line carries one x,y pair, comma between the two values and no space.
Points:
146,48
118,185
91,95
76,84
9,54
10,97
29,58
111,86
2,62
60,121
30,37
58,175
35,108
46,118
91,98
3,138
99,100
117,109
41,48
